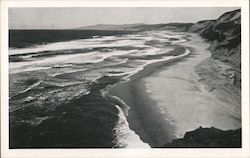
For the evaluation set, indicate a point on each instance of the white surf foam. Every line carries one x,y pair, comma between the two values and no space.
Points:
126,137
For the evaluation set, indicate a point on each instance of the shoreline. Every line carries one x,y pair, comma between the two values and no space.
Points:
123,90
148,116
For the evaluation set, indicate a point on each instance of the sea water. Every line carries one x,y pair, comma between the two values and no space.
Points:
58,91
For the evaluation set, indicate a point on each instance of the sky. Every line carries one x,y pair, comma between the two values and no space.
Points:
65,18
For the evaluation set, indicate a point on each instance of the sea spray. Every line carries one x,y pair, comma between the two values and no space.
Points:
125,137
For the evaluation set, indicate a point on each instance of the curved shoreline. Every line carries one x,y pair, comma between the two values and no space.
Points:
166,102
124,91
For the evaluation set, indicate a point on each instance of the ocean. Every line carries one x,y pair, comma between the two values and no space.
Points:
59,82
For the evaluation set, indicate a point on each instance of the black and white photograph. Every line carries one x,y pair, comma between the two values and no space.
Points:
125,78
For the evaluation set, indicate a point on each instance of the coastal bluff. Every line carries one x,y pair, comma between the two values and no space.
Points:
224,36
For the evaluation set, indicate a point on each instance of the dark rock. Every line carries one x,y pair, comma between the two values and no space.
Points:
208,137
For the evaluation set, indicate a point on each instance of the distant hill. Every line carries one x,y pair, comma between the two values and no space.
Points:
138,27
199,26
109,27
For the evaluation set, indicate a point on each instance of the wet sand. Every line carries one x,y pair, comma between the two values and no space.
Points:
169,98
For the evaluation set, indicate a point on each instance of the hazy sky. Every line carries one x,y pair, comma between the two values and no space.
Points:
62,18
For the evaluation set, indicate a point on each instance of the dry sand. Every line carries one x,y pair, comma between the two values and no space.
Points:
167,101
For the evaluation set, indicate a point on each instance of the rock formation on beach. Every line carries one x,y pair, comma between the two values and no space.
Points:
208,137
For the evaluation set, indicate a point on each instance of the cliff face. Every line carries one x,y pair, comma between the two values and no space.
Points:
224,34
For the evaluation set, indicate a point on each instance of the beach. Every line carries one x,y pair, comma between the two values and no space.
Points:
168,98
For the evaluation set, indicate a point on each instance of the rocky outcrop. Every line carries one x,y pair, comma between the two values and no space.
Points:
208,137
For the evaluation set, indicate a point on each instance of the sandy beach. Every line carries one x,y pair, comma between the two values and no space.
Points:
169,98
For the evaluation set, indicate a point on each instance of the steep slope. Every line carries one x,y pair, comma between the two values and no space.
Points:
199,26
224,34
